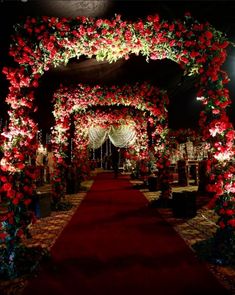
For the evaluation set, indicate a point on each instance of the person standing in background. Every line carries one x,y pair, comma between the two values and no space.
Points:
50,162
115,161
40,161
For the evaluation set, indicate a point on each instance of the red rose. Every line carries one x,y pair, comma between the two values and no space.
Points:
221,211
15,201
221,224
3,178
3,235
20,166
11,193
19,195
224,44
20,232
27,202
231,222
230,134
229,212
194,54
35,83
208,35
7,186
156,18
184,59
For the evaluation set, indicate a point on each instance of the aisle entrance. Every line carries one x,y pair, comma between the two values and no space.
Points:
115,244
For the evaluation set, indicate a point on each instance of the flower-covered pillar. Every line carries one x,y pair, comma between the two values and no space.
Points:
17,175
140,149
162,155
59,140
220,134
160,145
81,150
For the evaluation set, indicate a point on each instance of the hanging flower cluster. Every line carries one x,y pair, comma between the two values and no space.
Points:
41,43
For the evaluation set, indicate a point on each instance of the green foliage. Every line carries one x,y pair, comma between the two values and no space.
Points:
21,261
62,206
220,249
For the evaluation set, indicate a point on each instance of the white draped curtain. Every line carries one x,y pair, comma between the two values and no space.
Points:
97,136
121,136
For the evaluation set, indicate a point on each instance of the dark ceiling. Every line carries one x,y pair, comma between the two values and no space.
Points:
183,110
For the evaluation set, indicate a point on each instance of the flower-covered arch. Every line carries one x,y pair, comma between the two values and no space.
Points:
76,100
142,96
40,43
134,120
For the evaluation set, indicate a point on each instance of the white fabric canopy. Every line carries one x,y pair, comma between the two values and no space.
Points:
97,136
122,136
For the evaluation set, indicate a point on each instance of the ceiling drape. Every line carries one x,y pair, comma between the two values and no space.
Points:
121,136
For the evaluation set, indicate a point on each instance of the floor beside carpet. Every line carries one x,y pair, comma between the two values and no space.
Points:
115,244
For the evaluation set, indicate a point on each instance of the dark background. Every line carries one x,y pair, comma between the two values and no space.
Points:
184,108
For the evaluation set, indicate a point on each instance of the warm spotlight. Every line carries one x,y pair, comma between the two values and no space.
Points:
200,98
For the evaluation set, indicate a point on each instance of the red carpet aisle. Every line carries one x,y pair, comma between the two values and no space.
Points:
114,244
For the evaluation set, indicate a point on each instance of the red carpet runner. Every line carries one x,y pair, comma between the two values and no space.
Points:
115,244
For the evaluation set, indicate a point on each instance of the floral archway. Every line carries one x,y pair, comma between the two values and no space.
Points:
122,121
151,101
40,43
